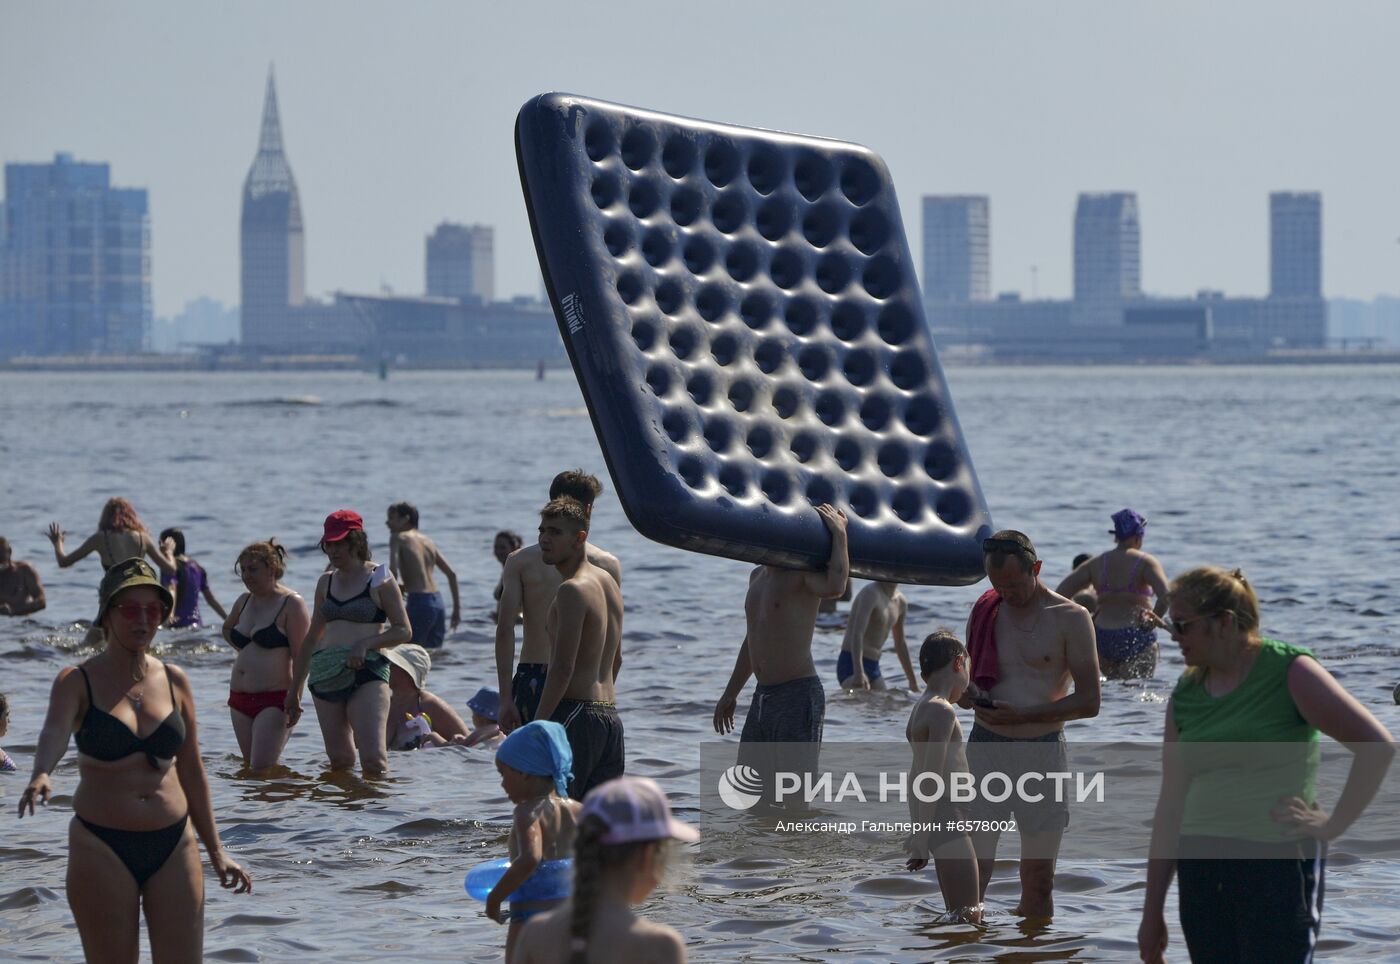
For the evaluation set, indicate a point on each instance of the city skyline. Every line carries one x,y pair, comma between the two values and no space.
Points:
1197,110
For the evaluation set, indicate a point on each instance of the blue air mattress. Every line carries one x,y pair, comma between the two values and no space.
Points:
741,312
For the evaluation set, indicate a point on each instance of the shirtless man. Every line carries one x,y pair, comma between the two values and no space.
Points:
1047,672
584,625
780,613
878,610
21,593
528,586
412,557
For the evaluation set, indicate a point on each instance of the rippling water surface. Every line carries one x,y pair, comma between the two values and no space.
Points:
1288,473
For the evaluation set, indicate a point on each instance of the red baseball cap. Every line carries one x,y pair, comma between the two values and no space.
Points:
341,523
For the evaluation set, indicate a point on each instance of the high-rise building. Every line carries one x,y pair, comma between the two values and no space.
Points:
75,262
1295,244
461,261
272,249
1107,249
957,245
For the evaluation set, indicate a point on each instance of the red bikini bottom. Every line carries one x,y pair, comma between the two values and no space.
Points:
251,704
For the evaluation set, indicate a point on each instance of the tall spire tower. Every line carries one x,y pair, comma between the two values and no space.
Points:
273,250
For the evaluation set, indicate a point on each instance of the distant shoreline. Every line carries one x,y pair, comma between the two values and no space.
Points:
950,359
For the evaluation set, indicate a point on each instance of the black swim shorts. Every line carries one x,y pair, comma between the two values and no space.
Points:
595,736
989,752
527,687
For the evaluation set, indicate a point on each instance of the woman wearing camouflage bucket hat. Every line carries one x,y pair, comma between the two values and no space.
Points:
358,613
140,800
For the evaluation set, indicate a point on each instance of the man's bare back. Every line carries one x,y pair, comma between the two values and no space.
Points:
884,613
780,613
415,556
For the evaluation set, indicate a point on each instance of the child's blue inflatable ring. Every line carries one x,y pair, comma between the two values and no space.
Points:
741,311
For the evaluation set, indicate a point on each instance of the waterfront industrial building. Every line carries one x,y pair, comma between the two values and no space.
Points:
1110,318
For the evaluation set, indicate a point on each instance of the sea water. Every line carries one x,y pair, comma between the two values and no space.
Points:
1288,473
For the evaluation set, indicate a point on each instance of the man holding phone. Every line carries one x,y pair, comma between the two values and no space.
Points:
1046,671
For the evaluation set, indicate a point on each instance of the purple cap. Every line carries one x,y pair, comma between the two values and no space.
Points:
1127,524
635,809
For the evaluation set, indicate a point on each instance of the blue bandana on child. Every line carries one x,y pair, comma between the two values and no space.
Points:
540,748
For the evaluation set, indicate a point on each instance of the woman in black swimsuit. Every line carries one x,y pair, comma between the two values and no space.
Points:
266,626
120,535
341,658
140,800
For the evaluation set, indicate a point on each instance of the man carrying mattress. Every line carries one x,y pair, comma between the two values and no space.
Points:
1034,666
789,704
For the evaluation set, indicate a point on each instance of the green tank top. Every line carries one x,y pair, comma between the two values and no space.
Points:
1234,787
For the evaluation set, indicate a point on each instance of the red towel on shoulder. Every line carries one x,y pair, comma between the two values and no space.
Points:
982,639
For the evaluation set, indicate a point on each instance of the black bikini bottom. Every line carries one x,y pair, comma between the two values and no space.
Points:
143,851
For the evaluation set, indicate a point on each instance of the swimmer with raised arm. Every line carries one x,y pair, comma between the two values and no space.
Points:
120,535
780,612
528,585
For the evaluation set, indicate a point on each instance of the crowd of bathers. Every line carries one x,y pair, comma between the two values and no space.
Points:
363,648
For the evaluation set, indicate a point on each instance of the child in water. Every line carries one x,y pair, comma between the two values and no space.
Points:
6,764
937,741
536,765
486,732
187,583
624,834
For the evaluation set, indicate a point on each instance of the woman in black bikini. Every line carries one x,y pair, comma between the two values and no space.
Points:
267,626
341,658
140,800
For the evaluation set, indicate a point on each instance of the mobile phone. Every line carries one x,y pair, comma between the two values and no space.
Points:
986,702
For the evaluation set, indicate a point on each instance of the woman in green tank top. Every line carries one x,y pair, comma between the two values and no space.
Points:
1234,803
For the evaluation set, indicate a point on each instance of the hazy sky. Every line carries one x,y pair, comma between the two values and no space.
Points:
398,116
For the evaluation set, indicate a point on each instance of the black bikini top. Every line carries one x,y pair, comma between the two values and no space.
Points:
104,737
269,637
359,608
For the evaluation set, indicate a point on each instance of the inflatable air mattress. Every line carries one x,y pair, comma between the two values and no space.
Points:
741,311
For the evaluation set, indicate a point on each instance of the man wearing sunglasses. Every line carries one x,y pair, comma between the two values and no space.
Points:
1035,666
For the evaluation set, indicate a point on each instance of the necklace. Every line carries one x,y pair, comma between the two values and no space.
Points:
1024,629
136,700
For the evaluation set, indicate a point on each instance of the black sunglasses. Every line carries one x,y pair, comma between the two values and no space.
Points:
1007,545
1179,625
